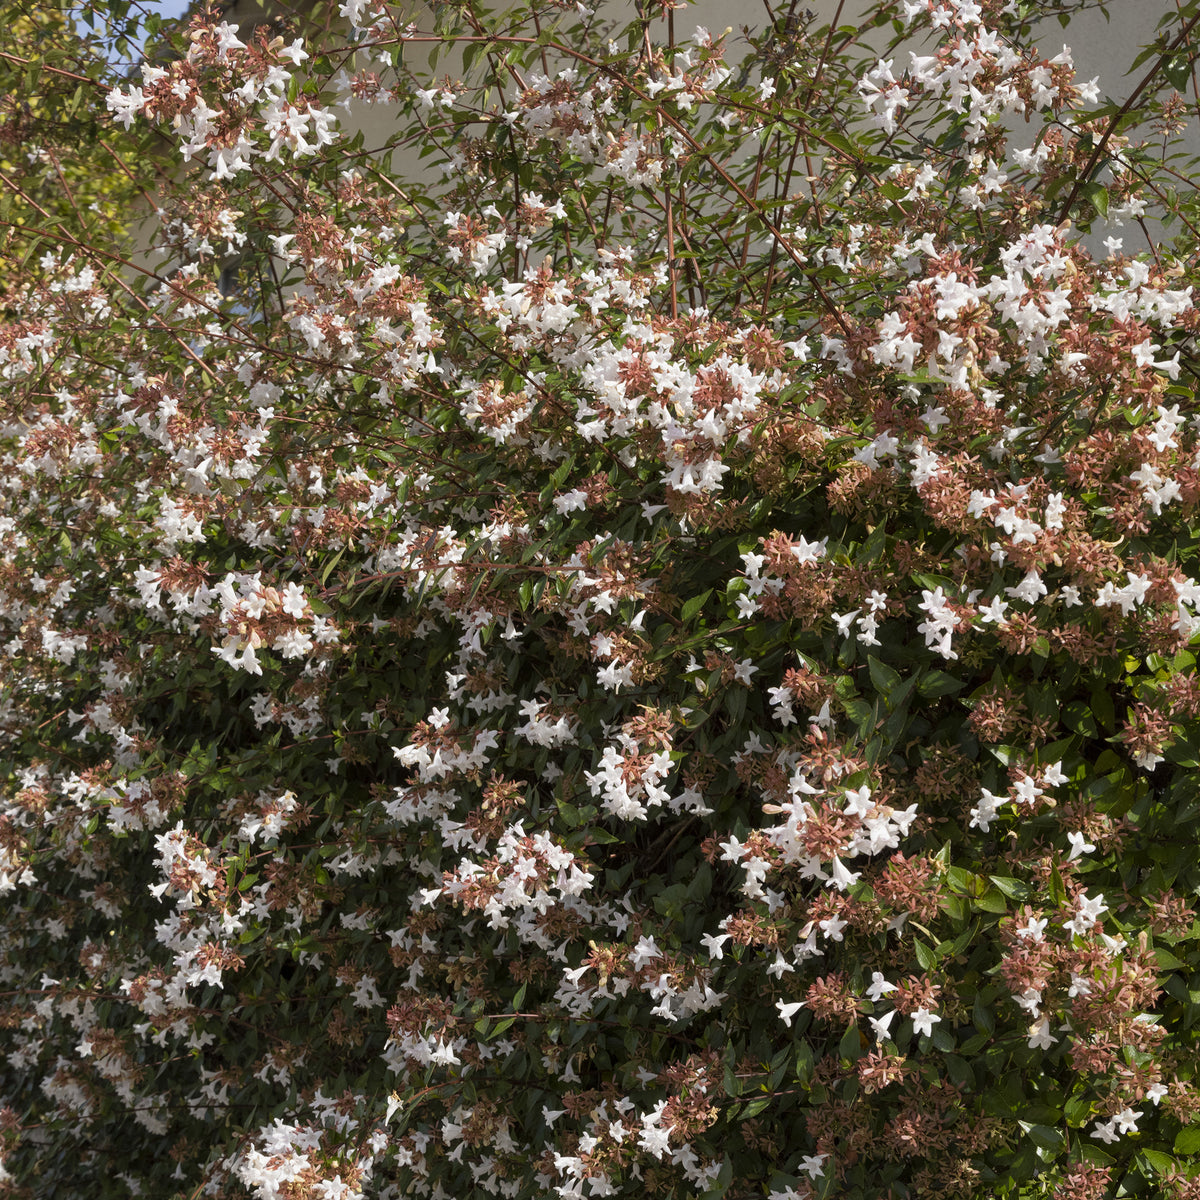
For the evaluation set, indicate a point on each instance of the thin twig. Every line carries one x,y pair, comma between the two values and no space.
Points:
1096,155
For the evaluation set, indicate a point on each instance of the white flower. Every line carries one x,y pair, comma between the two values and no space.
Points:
811,1164
294,602
842,878
295,52
1127,1120
1087,915
940,623
858,802
1079,845
1025,791
732,850
995,611
126,107
293,644
934,418
1029,589
1034,931
808,552
788,1011
924,1020
1030,1000
925,464
615,676
843,621
570,502
715,944
879,987
832,928
1079,987
882,1025
780,966
1053,774
643,952
1040,1037
985,812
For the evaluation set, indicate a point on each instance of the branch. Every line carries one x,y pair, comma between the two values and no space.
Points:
1102,144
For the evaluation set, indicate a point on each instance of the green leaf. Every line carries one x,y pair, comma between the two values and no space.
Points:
1014,889
1024,1164
982,1016
991,901
700,887
1044,1136
925,956
1103,710
1078,1109
964,882
1078,718
851,1045
1179,72
1187,1140
1160,1161
859,712
840,142
1057,892
883,677
1167,961
721,1183
937,683
804,1062
959,1071
333,562
1097,195
874,546
693,606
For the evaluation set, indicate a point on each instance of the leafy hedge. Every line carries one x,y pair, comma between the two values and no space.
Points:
661,663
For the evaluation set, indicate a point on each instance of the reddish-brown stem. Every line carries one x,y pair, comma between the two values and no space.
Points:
1098,153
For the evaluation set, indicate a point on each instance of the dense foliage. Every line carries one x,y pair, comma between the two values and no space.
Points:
660,662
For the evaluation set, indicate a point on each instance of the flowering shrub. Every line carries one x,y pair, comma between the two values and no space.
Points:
663,662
